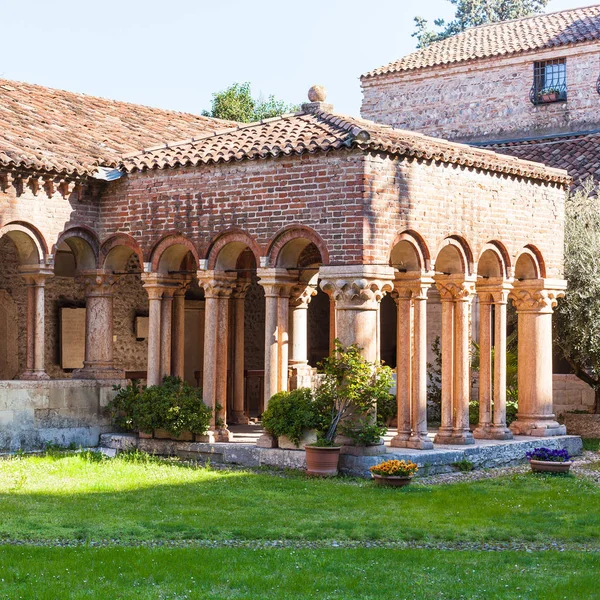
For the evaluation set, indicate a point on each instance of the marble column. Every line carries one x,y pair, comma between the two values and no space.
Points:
35,279
98,362
154,289
178,332
300,297
238,416
218,287
166,325
534,301
456,293
485,367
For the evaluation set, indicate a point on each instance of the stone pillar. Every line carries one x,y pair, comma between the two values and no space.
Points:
534,301
155,292
357,291
218,287
166,324
98,362
300,297
178,332
35,367
456,292
485,367
238,417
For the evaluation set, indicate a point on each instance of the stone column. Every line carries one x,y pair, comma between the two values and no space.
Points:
166,323
300,297
178,332
239,417
456,292
534,301
218,287
357,291
155,292
485,367
35,367
98,362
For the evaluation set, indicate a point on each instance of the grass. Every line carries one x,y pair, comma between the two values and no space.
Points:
592,444
62,498
141,573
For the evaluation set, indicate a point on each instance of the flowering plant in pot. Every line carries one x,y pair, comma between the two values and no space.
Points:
348,392
394,472
549,460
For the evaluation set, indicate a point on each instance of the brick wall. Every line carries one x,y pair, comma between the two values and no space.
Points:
487,99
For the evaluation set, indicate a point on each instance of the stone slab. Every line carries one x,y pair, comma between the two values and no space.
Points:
483,454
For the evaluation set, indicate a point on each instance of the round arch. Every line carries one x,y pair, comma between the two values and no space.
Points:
529,264
494,261
409,252
116,251
225,250
169,253
454,256
287,246
30,244
84,245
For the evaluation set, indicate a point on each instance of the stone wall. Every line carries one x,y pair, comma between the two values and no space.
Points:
488,98
570,393
33,413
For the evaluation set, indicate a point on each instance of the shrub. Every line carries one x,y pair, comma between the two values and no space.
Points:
395,468
387,410
288,413
174,406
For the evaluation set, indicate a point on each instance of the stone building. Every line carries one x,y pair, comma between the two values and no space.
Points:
489,87
234,256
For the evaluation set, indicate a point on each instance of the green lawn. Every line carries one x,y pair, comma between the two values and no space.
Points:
135,500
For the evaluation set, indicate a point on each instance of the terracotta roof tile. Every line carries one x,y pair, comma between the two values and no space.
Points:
63,132
507,37
322,131
579,154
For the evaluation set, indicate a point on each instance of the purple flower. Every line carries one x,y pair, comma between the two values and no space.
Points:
549,454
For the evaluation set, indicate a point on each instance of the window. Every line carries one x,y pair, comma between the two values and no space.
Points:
549,81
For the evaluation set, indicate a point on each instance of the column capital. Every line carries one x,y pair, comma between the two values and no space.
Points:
357,286
537,295
455,287
217,284
493,290
35,275
97,282
276,282
412,285
241,288
301,294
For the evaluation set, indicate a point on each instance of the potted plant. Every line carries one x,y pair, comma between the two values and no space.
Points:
549,94
347,394
291,417
394,473
548,460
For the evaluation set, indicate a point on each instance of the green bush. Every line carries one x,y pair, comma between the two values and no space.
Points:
387,409
174,406
288,413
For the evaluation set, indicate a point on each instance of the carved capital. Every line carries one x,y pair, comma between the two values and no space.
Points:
97,282
455,288
537,296
412,286
276,282
35,276
356,293
301,295
494,290
217,284
241,288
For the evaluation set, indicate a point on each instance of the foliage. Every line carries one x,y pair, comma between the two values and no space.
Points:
395,468
549,454
472,13
237,104
434,384
174,406
387,410
591,444
351,388
464,465
363,432
289,413
577,317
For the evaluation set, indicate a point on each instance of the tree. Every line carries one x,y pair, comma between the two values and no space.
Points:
577,320
237,104
471,13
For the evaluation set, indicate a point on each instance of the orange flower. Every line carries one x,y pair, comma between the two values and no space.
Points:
395,468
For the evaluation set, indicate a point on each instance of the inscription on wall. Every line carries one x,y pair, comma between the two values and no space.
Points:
72,337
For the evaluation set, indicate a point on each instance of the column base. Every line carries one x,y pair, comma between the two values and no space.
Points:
400,440
98,373
420,442
223,435
537,426
238,418
456,437
493,432
266,440
205,438
483,431
34,376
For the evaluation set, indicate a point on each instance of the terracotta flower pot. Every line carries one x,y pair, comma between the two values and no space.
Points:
322,461
391,480
546,466
144,436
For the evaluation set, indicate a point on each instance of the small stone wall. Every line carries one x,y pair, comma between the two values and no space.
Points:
66,411
570,393
587,426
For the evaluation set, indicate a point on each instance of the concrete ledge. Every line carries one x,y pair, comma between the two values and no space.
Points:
483,454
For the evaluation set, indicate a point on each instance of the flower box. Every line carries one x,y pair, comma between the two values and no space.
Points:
391,481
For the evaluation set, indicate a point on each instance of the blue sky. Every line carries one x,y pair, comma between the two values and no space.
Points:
175,54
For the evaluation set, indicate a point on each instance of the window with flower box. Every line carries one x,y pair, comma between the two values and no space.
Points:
549,81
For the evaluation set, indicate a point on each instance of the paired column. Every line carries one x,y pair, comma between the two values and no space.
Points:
98,362
155,290
178,332
218,288
456,292
534,301
300,297
238,298
492,294
36,339
410,293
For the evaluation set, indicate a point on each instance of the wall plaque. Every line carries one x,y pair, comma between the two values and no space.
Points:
72,338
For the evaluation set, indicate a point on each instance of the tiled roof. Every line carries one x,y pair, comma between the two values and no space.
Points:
68,133
578,154
507,37
318,131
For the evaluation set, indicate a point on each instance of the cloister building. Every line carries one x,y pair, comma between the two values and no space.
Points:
139,243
